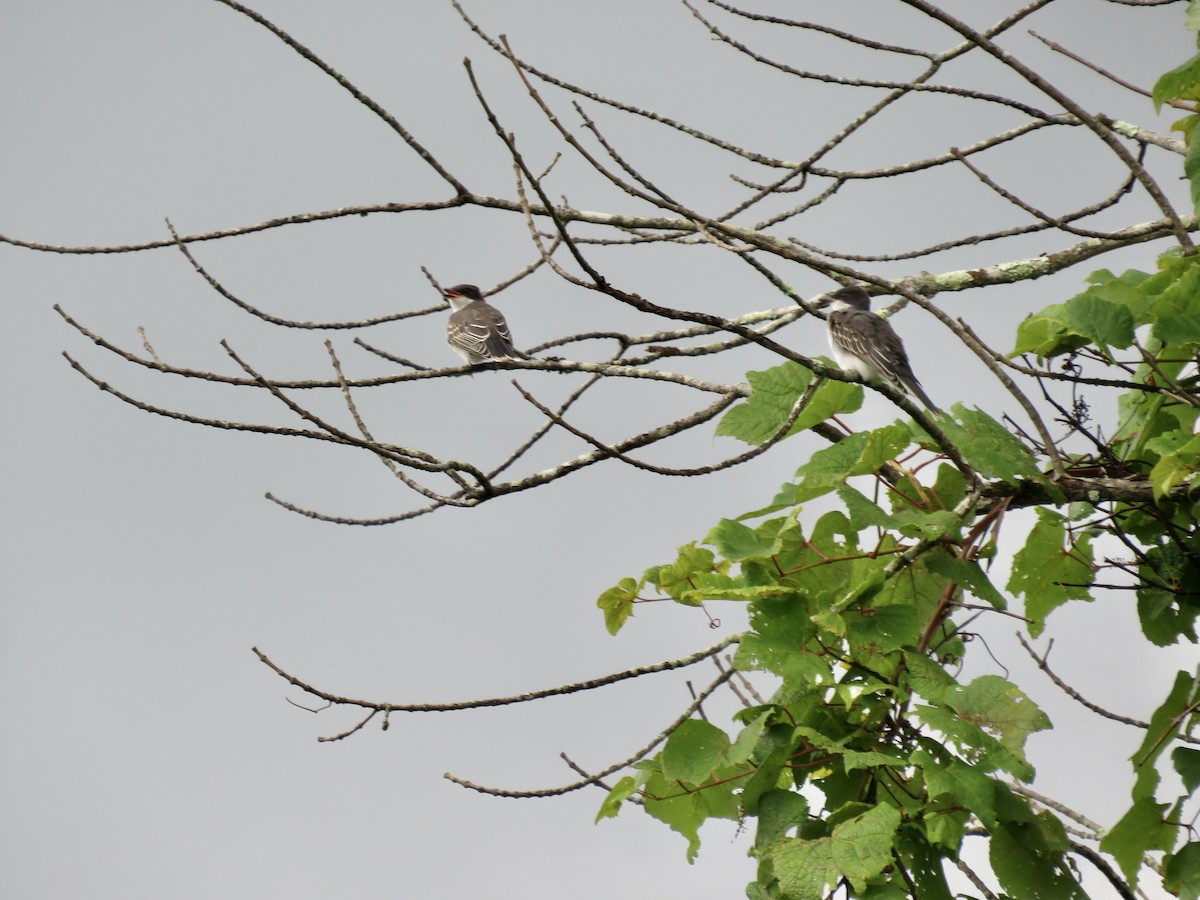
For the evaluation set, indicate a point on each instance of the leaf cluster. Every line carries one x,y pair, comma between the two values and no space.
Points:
871,762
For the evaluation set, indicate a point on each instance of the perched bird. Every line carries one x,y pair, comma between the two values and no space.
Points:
867,345
476,331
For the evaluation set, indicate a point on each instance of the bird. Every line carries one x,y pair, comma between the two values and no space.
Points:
476,330
867,345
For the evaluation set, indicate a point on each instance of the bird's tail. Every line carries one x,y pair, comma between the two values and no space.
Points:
499,348
919,392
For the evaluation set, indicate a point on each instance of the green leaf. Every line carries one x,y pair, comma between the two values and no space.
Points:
978,747
1104,324
943,824
891,890
1141,828
773,751
882,629
694,751
1165,724
1174,289
1181,83
862,847
1183,872
760,415
864,513
858,849
1187,763
1105,315
692,564
738,592
987,721
966,573
736,541
1178,330
1046,334
779,811
621,791
927,678
861,453
962,782
831,398
999,706
1168,442
1011,806
852,760
883,445
916,589
1026,869
747,740
780,632
829,466
990,448
1048,571
1191,162
617,603
924,864
1164,618
804,868
775,392
686,811
928,525
1168,590
1175,468
680,814
857,454
1130,290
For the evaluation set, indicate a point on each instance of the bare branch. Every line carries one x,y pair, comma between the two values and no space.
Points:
1079,698
670,429
822,29
1061,222
624,107
563,690
615,767
916,85
290,323
1105,869
358,95
345,734
975,880
1104,134
1059,48
1095,830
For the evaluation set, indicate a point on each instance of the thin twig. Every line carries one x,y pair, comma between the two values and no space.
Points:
484,703
615,767
1079,698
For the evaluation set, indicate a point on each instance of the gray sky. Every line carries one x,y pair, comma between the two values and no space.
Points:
147,752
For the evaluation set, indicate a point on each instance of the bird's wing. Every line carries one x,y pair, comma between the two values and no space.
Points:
868,338
873,340
499,341
480,329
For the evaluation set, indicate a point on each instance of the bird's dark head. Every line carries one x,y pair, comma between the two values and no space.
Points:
466,292
850,297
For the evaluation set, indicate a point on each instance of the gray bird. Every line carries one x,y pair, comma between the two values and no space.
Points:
476,330
867,345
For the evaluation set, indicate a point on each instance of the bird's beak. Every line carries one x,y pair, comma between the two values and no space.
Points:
821,301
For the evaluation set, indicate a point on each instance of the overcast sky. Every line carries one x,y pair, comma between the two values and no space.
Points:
148,754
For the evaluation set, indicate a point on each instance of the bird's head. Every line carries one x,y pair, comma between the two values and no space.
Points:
850,297
462,294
